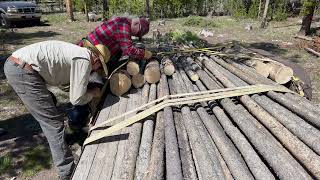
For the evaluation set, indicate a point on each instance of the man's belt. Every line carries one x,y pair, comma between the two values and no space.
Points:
22,64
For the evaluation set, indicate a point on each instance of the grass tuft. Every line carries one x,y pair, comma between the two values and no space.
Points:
36,159
5,163
197,21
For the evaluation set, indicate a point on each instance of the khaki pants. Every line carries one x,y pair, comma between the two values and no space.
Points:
31,89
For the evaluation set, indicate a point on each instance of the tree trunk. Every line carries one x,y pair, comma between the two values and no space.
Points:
148,9
86,11
105,8
308,8
260,7
264,18
69,10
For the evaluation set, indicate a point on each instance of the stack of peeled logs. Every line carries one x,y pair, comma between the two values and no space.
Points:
269,135
136,74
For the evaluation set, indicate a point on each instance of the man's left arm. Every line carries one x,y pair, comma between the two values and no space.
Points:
79,78
123,36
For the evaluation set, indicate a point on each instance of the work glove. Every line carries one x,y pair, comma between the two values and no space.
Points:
147,54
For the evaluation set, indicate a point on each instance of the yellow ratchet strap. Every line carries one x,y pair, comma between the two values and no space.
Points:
175,100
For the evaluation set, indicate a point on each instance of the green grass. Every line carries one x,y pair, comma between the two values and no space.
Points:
5,163
35,160
197,21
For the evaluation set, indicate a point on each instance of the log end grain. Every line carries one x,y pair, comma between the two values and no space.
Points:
152,72
120,83
138,80
281,74
168,67
133,67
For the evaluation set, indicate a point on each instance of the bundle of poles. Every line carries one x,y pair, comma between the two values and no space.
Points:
262,136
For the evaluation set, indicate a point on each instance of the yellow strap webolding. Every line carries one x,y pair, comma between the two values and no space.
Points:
178,99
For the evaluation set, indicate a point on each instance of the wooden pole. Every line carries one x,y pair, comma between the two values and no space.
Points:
109,144
261,114
205,166
87,156
187,162
173,162
124,142
234,161
120,83
129,159
256,79
257,167
157,160
152,72
146,140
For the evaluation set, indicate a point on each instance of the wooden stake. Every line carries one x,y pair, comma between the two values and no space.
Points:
120,83
152,72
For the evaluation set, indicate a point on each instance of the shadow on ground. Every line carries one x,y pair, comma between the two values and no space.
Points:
18,38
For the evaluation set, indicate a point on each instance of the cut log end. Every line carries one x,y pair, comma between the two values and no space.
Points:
168,70
120,83
138,80
133,67
194,77
152,72
168,67
281,74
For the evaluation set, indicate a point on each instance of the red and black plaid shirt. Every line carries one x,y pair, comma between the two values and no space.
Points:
116,35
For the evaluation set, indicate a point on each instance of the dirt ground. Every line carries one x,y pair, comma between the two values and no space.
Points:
24,135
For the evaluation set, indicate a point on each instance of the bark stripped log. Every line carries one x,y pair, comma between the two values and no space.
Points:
283,156
157,163
280,73
202,113
102,160
146,140
84,164
120,83
230,154
257,167
152,72
168,67
305,132
292,143
123,145
173,162
259,66
133,67
262,115
129,164
291,105
187,163
184,63
204,165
